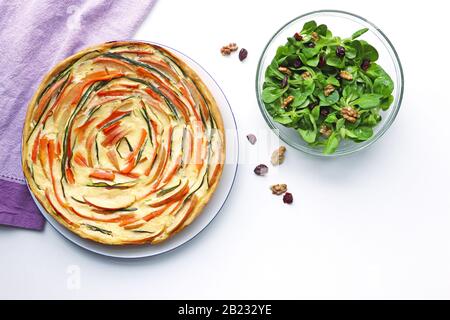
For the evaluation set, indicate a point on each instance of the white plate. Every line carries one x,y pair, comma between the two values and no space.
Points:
211,209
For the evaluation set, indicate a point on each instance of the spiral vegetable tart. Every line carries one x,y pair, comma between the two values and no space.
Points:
123,143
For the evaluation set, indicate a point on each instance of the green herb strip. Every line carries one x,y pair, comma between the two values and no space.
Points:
97,229
166,191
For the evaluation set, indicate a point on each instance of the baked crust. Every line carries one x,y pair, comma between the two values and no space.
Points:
169,222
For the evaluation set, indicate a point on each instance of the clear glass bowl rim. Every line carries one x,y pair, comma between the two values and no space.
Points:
358,146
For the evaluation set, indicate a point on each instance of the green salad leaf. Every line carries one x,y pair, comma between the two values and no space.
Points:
326,87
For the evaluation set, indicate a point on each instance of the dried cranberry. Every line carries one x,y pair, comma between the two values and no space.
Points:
322,61
297,63
251,138
261,169
340,51
312,105
284,82
324,111
298,36
310,44
288,198
365,64
243,54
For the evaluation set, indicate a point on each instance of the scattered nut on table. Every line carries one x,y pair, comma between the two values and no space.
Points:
228,49
278,156
279,188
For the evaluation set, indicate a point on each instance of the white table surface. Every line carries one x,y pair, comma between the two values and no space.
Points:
371,225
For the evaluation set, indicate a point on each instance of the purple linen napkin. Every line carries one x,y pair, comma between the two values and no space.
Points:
34,36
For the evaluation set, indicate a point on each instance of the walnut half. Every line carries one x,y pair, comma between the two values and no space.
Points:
325,130
329,88
285,70
287,101
278,156
278,188
306,75
349,114
346,75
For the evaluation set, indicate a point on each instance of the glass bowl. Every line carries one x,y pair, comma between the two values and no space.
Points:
342,24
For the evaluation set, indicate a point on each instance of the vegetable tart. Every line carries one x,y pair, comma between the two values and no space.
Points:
123,143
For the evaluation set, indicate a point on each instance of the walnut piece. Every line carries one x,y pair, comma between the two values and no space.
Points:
233,46
278,188
278,156
349,114
325,131
315,36
306,75
287,101
285,70
329,88
226,50
346,75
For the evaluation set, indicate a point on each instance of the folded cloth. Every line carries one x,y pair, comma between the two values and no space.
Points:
34,36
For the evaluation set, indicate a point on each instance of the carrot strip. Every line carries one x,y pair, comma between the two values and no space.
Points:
142,72
80,159
130,86
43,153
131,163
113,116
114,136
114,93
111,127
215,174
161,65
203,108
51,161
173,170
81,130
70,176
113,158
127,221
46,98
35,149
54,108
152,94
102,174
133,226
113,61
138,52
176,196
47,195
176,101
192,205
156,213
141,142
94,218
89,144
58,148
150,165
